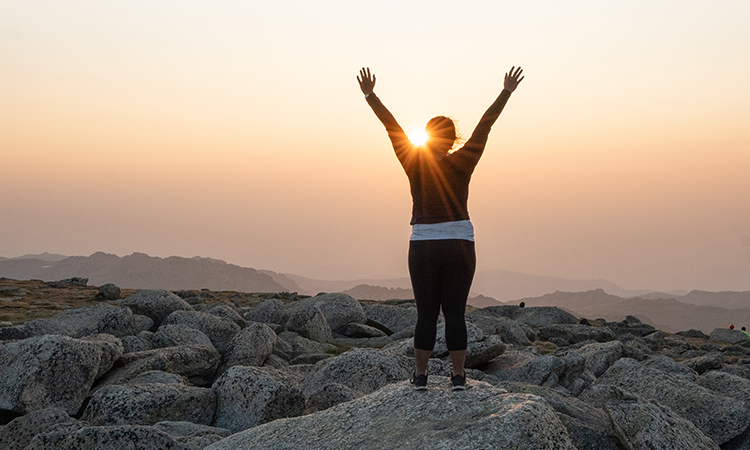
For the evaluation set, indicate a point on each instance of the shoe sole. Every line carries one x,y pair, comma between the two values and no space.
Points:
420,388
459,388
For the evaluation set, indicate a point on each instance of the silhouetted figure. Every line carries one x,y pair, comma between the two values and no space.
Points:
522,305
441,249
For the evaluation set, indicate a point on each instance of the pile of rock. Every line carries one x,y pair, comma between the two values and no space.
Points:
159,371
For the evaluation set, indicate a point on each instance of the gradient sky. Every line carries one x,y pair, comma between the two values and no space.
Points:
236,130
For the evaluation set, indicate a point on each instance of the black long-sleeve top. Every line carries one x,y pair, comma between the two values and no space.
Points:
439,189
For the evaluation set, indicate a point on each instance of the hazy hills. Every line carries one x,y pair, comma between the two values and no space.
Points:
313,286
43,256
144,272
140,271
728,299
501,285
505,285
586,298
670,314
697,310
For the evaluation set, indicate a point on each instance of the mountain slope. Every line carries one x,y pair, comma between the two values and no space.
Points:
140,271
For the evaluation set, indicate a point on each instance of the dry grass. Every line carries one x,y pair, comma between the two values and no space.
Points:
22,301
34,299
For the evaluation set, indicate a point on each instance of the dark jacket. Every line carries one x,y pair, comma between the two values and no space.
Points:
439,189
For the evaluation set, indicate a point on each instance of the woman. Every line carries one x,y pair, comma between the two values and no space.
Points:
441,249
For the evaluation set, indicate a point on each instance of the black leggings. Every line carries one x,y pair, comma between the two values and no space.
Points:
441,275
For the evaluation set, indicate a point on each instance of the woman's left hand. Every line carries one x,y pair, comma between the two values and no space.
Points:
366,81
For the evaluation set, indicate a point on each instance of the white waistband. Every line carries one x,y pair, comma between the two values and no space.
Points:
460,229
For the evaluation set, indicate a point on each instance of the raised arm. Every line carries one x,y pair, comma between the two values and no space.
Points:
401,143
478,138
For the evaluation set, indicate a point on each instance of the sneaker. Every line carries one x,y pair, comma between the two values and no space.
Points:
419,382
459,382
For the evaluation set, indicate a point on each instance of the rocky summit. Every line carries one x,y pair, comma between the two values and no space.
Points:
195,370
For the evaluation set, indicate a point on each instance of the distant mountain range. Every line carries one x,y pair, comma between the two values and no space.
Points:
140,271
670,312
667,314
501,285
312,286
505,285
43,256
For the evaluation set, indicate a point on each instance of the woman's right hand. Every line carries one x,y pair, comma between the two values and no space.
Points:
366,81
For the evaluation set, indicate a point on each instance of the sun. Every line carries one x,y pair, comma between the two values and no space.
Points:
418,136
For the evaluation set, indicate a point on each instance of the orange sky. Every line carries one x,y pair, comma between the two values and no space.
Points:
237,131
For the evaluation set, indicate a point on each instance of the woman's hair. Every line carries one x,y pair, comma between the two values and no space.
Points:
443,128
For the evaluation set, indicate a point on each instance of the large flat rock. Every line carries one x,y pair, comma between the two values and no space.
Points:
397,417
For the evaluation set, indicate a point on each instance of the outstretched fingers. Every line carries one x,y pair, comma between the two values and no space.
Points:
364,73
366,80
512,78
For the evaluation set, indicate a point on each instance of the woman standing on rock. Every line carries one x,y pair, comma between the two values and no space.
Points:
441,249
